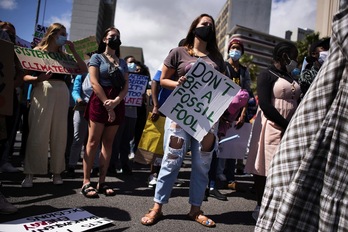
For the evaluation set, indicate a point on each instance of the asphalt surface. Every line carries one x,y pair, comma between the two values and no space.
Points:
132,201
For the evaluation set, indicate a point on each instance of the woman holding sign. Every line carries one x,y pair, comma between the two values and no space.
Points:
48,112
201,43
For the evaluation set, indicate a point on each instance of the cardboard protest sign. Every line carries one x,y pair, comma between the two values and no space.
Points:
7,73
39,33
42,61
235,143
136,89
84,46
75,219
197,104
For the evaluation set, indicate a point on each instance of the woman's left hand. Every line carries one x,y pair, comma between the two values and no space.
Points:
110,104
240,122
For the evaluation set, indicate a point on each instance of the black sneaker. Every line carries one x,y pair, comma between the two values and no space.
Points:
216,194
126,170
70,173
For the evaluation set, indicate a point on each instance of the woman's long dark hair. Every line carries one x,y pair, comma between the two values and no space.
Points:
212,47
102,45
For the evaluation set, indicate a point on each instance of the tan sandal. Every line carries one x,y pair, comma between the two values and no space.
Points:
201,219
152,219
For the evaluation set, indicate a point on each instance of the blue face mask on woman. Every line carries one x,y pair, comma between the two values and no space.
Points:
131,67
61,40
235,54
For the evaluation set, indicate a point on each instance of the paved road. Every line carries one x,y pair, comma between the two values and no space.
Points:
133,199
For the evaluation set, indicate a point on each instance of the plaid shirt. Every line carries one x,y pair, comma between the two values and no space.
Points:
307,186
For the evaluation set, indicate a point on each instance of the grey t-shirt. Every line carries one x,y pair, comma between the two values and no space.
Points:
180,60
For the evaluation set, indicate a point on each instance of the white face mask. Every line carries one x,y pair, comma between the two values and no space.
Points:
322,56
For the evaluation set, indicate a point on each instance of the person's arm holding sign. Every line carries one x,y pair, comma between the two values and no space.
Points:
80,62
166,78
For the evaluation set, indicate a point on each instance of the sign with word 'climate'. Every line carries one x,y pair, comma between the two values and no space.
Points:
68,220
42,61
136,89
199,102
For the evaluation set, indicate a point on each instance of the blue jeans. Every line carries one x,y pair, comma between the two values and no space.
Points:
172,161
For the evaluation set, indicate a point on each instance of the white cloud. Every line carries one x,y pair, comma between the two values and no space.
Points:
158,26
292,14
64,19
8,4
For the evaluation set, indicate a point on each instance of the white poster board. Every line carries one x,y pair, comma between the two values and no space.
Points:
234,144
136,89
197,104
75,219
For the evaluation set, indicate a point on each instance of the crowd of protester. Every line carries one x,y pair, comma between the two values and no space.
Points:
282,148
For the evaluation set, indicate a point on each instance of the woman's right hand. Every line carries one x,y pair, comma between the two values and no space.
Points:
44,76
112,115
155,114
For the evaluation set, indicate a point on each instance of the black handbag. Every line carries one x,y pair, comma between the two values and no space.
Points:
115,75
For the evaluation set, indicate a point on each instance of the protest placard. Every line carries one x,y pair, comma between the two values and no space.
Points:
39,33
235,143
43,61
136,89
68,220
84,46
7,73
199,102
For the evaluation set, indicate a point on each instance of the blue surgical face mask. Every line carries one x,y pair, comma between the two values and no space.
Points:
132,67
61,40
295,72
235,54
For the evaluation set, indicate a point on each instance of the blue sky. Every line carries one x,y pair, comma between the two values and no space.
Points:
22,13
156,26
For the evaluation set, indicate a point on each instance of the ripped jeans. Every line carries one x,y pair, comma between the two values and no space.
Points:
172,160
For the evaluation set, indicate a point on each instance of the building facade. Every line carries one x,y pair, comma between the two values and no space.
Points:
258,44
326,9
91,17
236,12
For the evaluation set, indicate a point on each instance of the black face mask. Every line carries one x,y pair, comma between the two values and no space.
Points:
114,43
204,33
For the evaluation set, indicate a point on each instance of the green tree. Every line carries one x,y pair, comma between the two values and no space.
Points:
304,45
247,61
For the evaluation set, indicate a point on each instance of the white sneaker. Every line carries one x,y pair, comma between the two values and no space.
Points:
131,155
222,177
28,181
256,212
152,181
57,179
7,167
178,183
